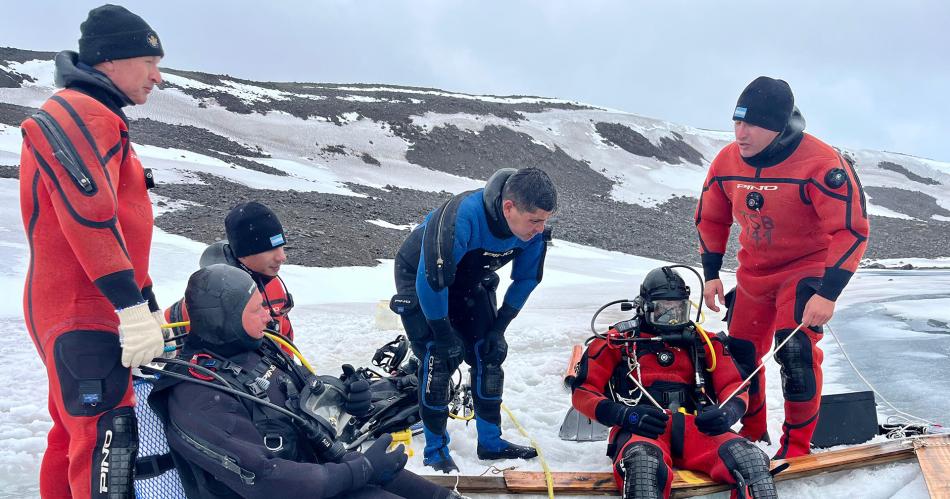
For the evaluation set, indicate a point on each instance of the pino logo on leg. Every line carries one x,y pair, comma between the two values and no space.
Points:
104,464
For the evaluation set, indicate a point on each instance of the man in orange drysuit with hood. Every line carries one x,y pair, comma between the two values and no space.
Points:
88,300
804,228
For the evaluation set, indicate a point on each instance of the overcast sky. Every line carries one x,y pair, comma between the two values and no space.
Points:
866,74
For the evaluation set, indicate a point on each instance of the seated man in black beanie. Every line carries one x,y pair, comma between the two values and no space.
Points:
260,443
255,243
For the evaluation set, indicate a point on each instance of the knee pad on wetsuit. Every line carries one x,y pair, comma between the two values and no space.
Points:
113,458
436,382
798,374
643,471
489,380
749,465
91,377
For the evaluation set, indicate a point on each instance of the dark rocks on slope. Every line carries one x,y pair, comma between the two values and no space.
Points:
478,155
13,115
21,55
894,167
198,140
163,134
330,230
673,151
323,230
395,105
899,238
369,159
9,171
913,203
13,79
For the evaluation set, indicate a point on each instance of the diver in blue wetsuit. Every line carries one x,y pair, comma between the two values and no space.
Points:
446,281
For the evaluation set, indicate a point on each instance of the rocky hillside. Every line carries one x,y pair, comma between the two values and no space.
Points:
348,167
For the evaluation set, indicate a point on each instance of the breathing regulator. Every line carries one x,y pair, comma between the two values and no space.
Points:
661,309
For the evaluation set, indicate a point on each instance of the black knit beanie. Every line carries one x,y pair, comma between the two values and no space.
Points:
253,228
112,32
767,103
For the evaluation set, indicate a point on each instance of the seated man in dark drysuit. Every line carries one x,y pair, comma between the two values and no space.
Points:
261,443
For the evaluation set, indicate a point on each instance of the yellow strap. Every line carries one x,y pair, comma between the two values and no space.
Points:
544,463
461,418
176,324
712,351
290,347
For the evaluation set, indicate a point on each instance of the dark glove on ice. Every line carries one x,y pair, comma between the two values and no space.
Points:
716,421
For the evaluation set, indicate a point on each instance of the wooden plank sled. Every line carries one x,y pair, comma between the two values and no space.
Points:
688,483
934,458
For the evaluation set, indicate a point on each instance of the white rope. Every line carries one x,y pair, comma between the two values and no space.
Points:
458,478
761,365
910,418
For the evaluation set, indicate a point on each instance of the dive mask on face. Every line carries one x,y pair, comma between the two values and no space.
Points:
668,313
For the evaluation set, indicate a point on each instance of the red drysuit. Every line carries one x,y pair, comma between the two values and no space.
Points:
804,228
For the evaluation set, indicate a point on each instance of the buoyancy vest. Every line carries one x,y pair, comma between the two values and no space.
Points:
270,376
673,374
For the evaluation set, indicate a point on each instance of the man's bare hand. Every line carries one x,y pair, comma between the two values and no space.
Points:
712,290
818,311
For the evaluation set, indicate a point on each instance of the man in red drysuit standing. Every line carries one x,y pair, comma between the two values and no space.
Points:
88,300
804,228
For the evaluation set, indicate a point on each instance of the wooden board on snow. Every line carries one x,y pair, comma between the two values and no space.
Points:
934,458
689,484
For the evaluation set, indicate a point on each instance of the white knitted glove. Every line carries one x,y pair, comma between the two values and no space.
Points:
140,337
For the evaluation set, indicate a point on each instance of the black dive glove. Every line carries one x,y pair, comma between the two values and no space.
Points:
644,420
716,421
359,398
494,347
379,466
447,343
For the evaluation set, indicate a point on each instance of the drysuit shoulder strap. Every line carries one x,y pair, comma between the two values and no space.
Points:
65,151
438,242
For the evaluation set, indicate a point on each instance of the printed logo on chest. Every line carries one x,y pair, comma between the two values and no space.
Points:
498,255
752,187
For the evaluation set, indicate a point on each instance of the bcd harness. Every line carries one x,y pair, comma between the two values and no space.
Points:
282,434
671,395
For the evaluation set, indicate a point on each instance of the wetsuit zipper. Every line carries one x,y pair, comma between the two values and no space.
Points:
439,261
64,150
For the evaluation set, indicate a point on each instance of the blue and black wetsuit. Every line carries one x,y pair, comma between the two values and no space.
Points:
445,278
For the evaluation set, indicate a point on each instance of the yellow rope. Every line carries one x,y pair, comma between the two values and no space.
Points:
712,351
176,324
461,418
290,347
544,464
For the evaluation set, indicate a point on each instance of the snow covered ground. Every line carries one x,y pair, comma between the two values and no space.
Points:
902,313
